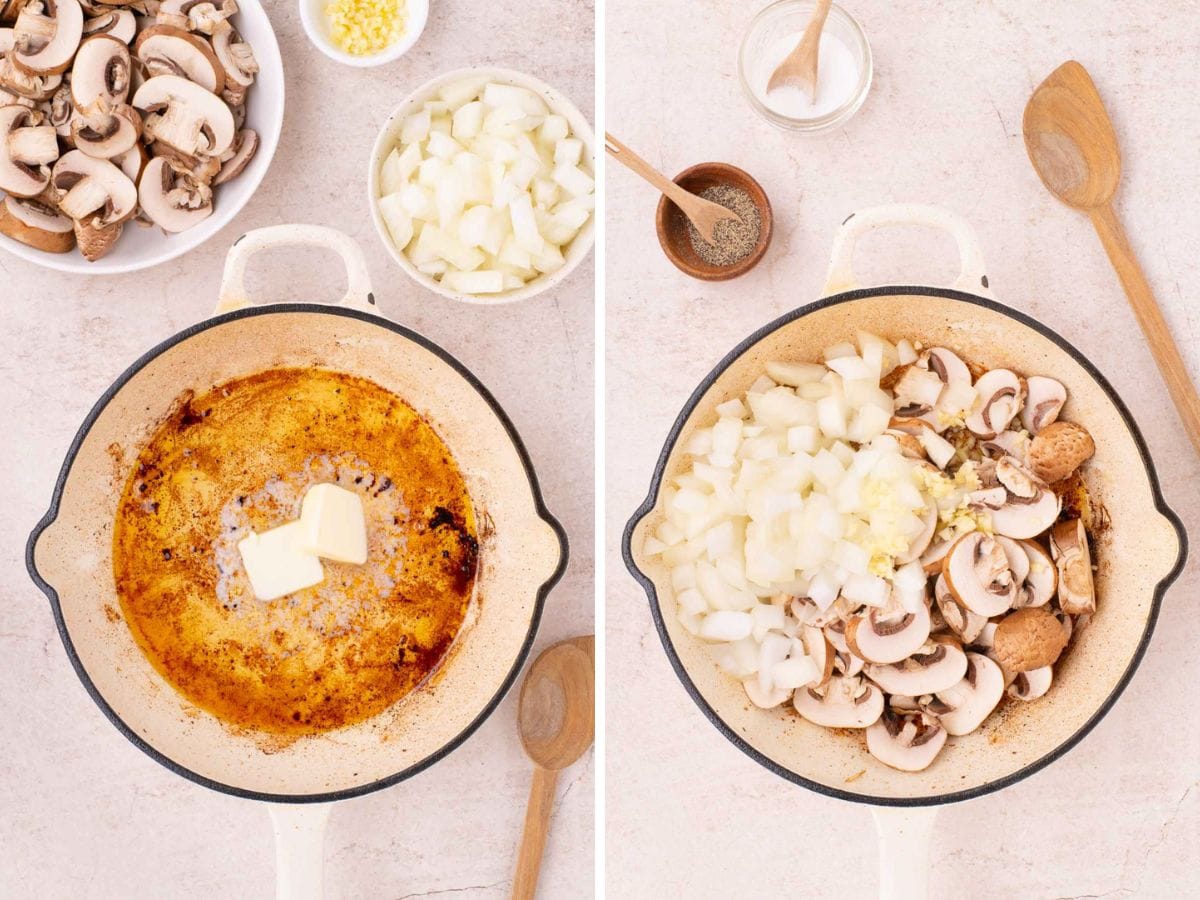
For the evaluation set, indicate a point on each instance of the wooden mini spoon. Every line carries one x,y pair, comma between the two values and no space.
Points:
799,68
1072,145
704,214
556,723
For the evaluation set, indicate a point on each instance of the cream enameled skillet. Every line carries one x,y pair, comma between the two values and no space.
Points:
522,552
1139,556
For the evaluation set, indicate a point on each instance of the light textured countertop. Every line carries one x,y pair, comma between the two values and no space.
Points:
83,813
688,815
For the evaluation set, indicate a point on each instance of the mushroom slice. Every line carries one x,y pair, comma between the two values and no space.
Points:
185,116
171,198
937,665
1026,517
964,623
958,396
19,177
972,700
916,394
237,58
1041,580
931,559
1000,394
102,73
165,50
977,575
60,110
94,190
95,240
909,742
46,36
32,222
33,145
245,145
1028,639
888,636
1015,480
1031,685
841,703
116,23
920,543
23,84
819,650
107,134
1069,548
768,700
1008,443
132,162
1018,559
1044,401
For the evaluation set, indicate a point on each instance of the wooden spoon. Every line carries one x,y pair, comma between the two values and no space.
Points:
704,214
1072,145
556,723
799,68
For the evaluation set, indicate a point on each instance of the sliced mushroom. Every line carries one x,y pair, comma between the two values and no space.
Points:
1069,548
977,575
107,134
59,111
93,190
957,394
1008,443
1041,581
964,623
909,742
1043,404
767,700
132,162
1026,517
972,700
172,199
237,58
46,35
1031,685
819,650
840,703
1018,559
117,23
931,559
102,73
95,240
1000,396
183,115
1059,449
916,394
18,176
245,145
1028,639
165,50
32,222
935,666
920,543
887,636
25,84
33,145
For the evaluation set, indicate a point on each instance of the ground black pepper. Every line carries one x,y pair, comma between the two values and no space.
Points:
733,240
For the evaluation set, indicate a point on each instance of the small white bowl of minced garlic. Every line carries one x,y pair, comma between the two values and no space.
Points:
364,32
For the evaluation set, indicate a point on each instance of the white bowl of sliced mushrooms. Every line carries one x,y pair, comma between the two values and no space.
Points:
130,133
481,186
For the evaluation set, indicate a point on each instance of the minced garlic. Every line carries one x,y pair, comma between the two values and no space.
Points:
363,27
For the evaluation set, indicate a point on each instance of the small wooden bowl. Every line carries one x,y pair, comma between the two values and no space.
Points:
672,224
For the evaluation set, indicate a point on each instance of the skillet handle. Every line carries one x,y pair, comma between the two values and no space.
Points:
972,276
904,837
299,849
233,282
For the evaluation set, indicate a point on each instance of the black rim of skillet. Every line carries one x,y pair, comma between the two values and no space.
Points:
737,740
346,793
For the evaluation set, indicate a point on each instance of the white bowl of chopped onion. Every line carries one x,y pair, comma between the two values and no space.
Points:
364,33
481,186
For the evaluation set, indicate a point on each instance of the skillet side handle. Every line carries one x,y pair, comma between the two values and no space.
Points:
299,849
972,276
233,282
904,838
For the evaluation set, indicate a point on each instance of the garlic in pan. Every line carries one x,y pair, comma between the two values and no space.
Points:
876,539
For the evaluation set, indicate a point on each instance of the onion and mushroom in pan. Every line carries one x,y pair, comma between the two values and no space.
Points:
882,539
154,91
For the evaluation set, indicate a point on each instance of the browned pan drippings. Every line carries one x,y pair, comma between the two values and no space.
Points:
240,457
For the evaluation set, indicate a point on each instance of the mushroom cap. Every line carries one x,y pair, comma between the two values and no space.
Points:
117,23
96,240
18,178
936,666
109,135
245,145
102,73
63,19
844,702
1073,559
166,50
1059,449
1042,579
1024,518
1000,395
93,190
974,697
185,116
1031,685
880,636
977,575
35,224
1044,401
1028,639
909,742
165,197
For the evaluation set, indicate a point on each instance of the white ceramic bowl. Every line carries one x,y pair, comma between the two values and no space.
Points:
390,134
316,26
141,248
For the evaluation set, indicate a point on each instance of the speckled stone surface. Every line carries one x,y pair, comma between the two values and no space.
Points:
83,813
687,814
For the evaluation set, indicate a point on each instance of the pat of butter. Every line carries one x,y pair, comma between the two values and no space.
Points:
332,524
276,565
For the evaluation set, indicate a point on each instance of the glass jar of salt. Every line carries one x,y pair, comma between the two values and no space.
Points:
843,67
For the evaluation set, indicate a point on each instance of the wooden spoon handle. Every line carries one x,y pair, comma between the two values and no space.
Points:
634,163
1150,317
533,841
